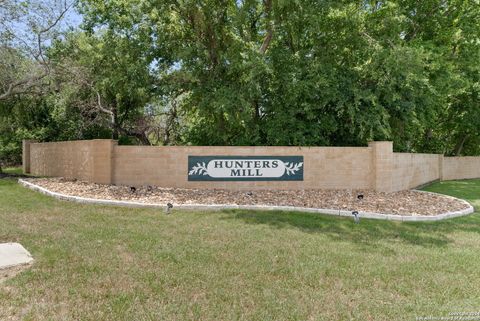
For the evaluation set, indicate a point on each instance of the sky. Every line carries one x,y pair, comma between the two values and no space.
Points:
73,18
36,12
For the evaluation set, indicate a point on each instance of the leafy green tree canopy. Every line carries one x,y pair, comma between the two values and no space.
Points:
311,72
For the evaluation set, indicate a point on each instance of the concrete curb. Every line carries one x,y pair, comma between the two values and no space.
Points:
370,215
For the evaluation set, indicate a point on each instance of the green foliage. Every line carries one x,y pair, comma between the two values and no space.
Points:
270,72
22,119
105,77
313,72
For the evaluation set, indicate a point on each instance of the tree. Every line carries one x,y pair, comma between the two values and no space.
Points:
26,29
297,73
267,72
106,77
448,31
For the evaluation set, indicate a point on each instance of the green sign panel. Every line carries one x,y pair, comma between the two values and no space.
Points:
245,168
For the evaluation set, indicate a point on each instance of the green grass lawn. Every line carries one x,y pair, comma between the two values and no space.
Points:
466,189
110,263
13,170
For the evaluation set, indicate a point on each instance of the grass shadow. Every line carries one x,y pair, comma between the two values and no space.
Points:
13,172
373,231
367,232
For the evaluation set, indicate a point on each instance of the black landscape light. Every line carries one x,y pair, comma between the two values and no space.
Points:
360,197
356,217
249,194
149,188
169,207
132,189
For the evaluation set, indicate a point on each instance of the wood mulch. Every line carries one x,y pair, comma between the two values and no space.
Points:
409,202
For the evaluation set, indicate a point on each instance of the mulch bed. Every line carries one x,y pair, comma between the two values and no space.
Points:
401,203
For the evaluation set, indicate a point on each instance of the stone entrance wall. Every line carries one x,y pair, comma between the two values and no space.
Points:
373,167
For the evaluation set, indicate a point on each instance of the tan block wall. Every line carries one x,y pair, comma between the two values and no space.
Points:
412,170
382,153
26,155
461,167
88,160
324,167
373,167
102,153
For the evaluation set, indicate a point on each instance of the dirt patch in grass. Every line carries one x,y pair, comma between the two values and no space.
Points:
10,272
401,203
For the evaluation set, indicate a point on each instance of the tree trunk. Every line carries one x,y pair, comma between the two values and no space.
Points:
115,125
140,135
144,139
459,146
269,35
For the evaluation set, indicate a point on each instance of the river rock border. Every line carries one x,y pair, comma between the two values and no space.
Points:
370,215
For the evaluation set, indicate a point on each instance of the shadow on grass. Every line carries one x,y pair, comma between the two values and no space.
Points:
14,176
367,232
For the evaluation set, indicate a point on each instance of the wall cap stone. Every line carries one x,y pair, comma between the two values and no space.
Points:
369,215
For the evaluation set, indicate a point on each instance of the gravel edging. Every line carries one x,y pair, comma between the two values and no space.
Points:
370,215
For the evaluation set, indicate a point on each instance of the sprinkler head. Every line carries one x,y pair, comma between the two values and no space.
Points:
169,207
356,217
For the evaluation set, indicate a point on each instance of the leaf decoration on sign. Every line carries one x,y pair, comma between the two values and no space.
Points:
291,168
199,169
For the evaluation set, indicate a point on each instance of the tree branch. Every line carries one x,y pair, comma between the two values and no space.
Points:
268,37
28,82
25,84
